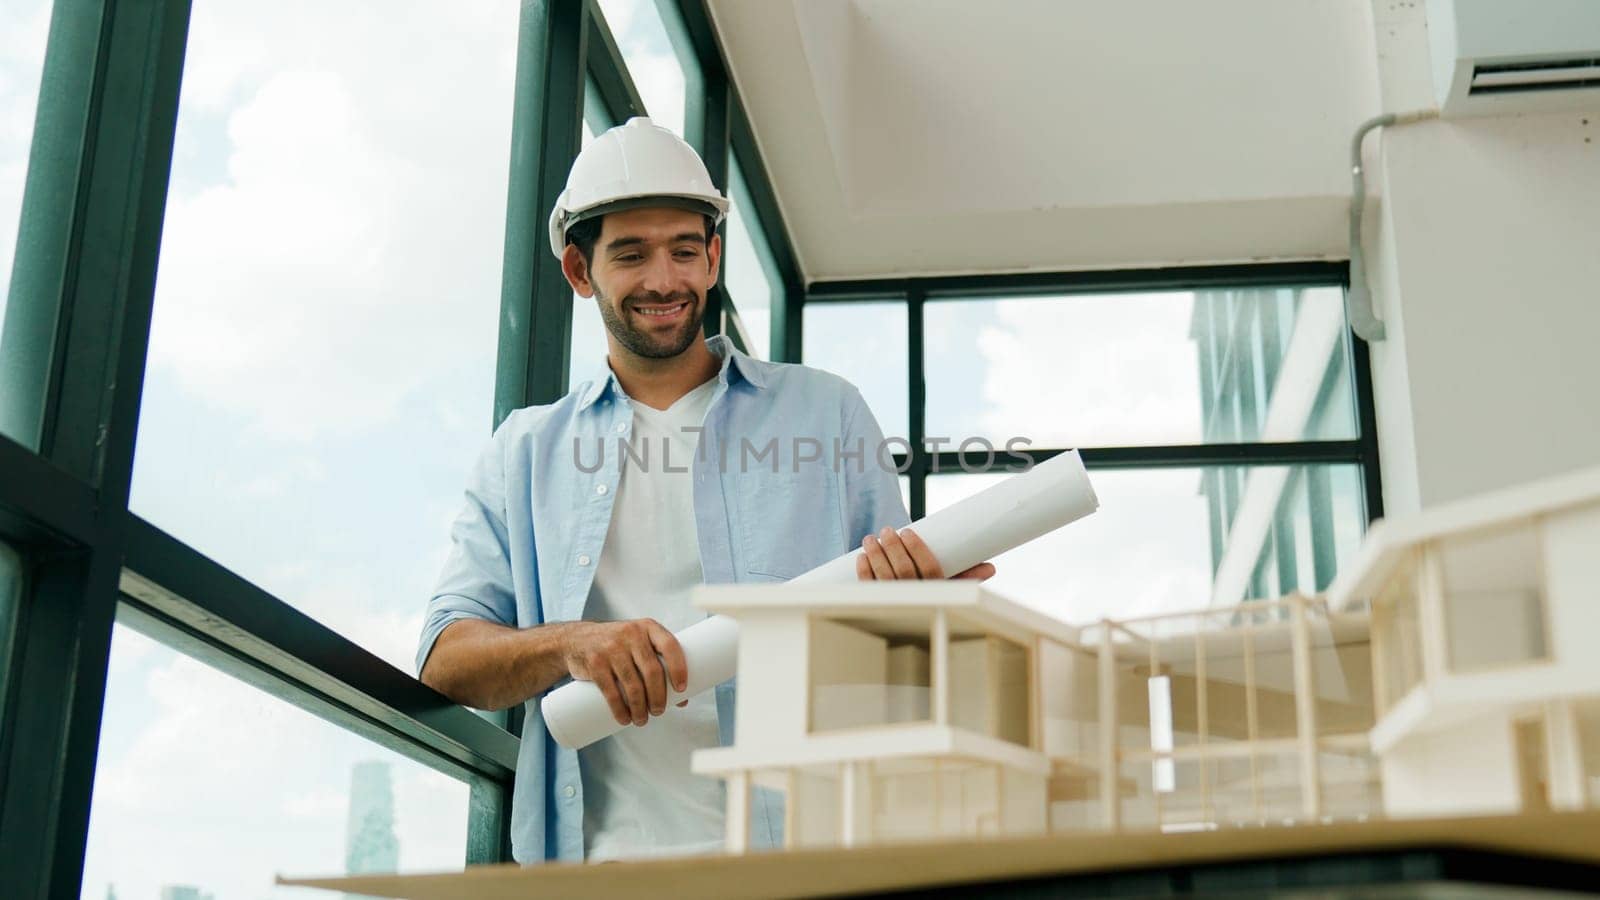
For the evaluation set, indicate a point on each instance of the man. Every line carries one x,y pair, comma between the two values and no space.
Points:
588,520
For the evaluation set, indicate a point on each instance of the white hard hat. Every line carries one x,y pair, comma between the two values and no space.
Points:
635,164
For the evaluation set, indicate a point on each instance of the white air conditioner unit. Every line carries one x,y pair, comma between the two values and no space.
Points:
1496,57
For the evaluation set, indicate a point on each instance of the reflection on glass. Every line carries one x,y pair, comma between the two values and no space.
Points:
1141,369
205,782
866,344
24,25
10,600
322,353
1171,540
746,260
656,71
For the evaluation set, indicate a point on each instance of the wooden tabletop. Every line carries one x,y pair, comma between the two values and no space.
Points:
1570,837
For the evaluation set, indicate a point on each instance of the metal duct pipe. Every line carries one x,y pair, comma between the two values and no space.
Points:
1358,300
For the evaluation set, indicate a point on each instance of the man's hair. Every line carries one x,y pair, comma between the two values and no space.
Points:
587,232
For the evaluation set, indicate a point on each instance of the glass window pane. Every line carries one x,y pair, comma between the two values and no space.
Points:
745,264
206,782
1173,540
10,600
866,344
322,354
588,356
655,68
24,27
588,348
1141,369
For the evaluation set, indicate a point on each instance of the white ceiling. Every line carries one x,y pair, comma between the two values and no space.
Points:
943,136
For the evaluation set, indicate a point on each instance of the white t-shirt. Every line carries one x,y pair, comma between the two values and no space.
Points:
639,797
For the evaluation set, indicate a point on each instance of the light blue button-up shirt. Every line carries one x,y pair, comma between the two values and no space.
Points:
792,472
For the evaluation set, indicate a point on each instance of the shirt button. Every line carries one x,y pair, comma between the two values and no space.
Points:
600,489
583,560
621,427
570,791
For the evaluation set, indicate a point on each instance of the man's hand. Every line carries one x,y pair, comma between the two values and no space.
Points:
625,661
891,555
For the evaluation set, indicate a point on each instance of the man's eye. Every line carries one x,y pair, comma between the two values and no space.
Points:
687,254
629,257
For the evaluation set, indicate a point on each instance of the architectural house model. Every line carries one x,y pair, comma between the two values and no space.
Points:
1486,673
887,711
1448,671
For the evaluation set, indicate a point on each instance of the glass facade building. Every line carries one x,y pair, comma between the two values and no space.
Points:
1275,365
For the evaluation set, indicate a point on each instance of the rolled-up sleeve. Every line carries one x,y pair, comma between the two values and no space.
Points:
476,580
872,491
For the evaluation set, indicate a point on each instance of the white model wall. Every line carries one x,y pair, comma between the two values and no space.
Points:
1571,571
1466,770
771,708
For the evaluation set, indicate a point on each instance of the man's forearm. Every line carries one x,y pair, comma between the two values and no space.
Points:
490,666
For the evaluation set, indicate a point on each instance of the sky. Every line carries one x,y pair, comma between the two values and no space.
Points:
321,376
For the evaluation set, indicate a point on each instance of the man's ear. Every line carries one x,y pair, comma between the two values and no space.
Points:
714,258
576,268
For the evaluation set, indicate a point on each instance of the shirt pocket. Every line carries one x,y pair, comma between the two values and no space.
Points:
789,522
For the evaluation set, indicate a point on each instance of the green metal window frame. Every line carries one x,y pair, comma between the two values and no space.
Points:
916,293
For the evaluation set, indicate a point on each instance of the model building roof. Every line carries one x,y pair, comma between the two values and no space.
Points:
886,602
1387,542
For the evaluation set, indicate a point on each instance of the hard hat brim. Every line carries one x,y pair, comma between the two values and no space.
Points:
690,204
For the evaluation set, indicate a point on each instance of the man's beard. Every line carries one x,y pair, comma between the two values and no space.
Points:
652,345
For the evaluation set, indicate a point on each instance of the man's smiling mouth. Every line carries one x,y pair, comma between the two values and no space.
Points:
662,312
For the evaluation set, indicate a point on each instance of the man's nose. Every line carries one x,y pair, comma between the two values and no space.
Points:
660,275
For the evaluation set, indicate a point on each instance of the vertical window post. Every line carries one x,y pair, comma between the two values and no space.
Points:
106,122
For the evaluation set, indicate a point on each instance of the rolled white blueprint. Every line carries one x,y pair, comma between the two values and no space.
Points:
979,528
577,714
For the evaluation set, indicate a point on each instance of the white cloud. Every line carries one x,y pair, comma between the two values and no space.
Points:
1082,371
133,649
642,38
659,78
315,805
1120,370
1145,551
864,343
431,812
350,253
620,15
